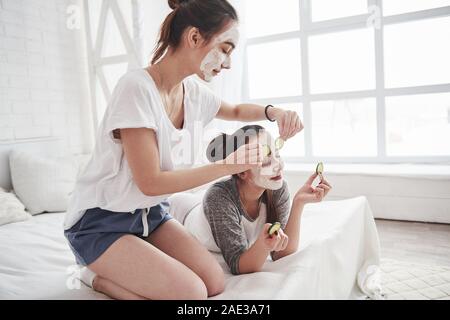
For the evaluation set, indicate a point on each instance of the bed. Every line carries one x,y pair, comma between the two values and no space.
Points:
338,258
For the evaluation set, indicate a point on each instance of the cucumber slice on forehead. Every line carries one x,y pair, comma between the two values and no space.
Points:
274,228
279,143
319,168
266,150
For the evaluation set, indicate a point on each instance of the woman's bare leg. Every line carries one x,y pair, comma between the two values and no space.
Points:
143,270
173,239
113,290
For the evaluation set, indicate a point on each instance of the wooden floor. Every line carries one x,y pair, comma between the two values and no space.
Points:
423,243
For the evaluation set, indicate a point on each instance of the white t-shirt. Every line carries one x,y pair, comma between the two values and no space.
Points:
107,180
188,210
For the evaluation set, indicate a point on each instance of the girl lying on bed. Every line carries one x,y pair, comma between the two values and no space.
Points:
237,213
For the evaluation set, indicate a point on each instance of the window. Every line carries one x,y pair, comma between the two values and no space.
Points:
366,92
419,60
349,53
418,125
391,7
344,128
275,61
332,9
266,17
111,50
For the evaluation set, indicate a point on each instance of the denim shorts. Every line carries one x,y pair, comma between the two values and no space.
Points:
98,229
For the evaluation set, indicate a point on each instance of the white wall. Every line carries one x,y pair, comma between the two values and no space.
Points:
42,74
395,192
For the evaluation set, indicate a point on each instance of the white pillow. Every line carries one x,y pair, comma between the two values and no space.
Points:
11,209
43,184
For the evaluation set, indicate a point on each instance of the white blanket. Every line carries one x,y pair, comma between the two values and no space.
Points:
338,241
36,262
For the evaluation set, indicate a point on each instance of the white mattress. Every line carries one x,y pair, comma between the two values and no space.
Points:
338,241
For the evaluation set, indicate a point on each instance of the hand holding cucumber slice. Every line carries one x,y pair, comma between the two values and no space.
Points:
319,170
274,228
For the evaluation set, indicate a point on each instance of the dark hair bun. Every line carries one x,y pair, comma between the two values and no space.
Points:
175,4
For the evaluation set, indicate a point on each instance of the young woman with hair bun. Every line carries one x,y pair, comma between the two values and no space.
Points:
117,224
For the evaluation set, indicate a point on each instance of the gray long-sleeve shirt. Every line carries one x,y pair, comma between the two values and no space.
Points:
224,211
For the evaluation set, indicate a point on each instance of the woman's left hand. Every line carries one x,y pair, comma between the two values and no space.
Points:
289,124
309,194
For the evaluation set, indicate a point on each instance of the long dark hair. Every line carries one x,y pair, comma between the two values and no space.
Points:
208,16
224,145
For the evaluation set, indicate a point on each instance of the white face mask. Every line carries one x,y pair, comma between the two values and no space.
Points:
262,176
216,59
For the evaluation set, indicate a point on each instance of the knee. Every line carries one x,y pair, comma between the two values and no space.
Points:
217,286
193,289
99,284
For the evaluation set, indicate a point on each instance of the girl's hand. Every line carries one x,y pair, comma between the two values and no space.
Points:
276,242
289,123
309,194
245,158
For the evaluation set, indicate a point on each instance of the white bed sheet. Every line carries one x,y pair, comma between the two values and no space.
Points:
339,240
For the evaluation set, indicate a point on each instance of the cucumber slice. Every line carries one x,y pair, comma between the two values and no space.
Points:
319,168
279,143
266,150
274,228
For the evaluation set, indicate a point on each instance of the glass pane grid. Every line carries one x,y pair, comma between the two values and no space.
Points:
344,128
418,125
417,53
362,126
334,9
393,7
350,53
268,17
274,69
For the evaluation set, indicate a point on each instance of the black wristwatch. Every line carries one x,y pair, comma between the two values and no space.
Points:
267,115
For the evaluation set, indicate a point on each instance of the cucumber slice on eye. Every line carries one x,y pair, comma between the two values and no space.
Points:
266,151
274,228
279,143
319,168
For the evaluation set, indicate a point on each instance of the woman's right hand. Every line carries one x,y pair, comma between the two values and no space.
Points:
276,242
244,158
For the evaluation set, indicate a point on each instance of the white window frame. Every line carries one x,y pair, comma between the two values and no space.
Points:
133,47
308,28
